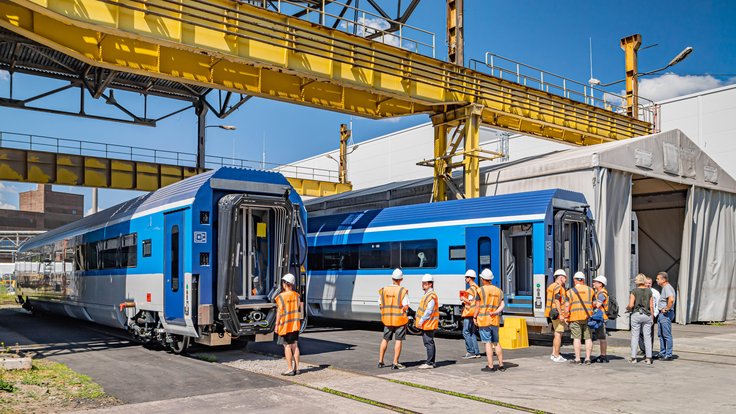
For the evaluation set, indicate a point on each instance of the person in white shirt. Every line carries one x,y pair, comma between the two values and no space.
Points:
429,317
655,295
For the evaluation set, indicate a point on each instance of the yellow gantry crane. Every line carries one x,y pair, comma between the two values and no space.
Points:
238,47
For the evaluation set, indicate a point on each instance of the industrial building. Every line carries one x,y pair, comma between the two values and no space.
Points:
43,209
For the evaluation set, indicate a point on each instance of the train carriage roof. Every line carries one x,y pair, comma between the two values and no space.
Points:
511,206
177,192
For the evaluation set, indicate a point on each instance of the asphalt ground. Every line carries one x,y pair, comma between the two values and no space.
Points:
125,369
340,373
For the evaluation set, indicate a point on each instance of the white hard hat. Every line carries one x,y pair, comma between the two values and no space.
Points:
601,279
579,275
289,278
397,274
427,278
470,273
486,274
560,272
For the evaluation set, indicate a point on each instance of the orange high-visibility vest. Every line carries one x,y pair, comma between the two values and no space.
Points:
490,300
392,312
469,310
555,292
433,322
288,306
604,307
579,311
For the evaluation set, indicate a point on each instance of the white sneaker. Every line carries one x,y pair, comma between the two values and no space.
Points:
559,358
425,366
553,358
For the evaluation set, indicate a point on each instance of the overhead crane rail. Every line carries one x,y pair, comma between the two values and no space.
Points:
515,71
242,48
42,159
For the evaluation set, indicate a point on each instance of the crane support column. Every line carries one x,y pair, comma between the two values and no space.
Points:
439,189
344,137
201,110
452,128
630,45
471,162
455,41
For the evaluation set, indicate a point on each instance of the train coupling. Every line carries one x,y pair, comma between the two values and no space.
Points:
127,305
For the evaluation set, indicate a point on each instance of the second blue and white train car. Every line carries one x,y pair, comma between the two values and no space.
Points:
198,260
521,237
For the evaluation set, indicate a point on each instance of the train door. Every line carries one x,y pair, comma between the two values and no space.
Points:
483,250
574,243
516,268
174,267
259,252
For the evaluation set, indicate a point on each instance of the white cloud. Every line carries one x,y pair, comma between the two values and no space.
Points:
4,75
671,85
368,26
7,206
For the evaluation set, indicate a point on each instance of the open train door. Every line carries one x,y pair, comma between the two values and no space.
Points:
483,250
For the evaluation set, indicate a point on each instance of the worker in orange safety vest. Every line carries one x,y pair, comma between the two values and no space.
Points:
393,303
469,297
580,309
488,319
556,312
288,322
428,319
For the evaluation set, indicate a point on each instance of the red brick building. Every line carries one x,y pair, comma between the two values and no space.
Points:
43,209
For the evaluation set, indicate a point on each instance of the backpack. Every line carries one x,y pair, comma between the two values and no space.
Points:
612,311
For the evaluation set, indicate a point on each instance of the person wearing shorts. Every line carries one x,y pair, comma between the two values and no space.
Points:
580,308
556,304
393,304
488,319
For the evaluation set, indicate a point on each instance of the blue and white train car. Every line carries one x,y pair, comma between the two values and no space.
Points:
200,259
521,237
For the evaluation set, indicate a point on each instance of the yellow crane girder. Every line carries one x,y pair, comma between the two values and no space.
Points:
80,170
237,47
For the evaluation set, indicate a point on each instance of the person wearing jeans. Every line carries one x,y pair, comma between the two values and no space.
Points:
470,301
666,315
641,307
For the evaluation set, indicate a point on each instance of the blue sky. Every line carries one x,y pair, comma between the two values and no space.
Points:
551,35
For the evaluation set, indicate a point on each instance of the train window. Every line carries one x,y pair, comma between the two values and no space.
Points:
339,257
175,258
375,255
457,252
129,250
91,256
147,248
419,253
109,253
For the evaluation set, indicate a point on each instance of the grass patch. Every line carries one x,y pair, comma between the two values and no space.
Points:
469,397
716,323
367,401
205,357
49,386
5,297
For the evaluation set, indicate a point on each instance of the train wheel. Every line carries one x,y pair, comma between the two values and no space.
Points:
179,344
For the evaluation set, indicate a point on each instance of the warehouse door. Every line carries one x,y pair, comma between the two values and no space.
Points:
174,267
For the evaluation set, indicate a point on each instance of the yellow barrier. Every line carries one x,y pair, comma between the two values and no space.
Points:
513,334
